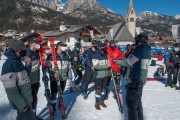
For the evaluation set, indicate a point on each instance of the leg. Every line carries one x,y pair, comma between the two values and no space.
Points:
97,93
88,79
140,108
35,88
169,79
175,75
53,87
63,85
107,86
103,88
132,103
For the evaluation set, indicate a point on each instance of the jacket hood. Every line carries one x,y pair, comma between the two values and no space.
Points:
11,54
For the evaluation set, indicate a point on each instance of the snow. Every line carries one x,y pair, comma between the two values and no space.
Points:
159,103
149,12
110,10
38,9
177,16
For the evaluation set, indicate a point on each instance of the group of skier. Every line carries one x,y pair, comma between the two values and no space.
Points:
101,64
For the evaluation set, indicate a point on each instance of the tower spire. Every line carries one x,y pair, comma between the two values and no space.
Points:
130,3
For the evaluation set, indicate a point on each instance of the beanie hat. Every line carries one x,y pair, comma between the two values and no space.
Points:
112,42
100,44
16,45
60,44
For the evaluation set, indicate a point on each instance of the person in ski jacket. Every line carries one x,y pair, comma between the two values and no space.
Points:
139,60
76,67
100,74
64,70
16,81
166,55
88,76
172,69
114,54
34,70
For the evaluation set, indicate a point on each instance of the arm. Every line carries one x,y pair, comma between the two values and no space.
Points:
9,80
132,59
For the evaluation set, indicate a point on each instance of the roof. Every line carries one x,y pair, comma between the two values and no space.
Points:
26,37
71,30
121,33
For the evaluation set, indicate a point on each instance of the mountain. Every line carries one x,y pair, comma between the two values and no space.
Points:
37,14
25,16
177,16
93,11
156,24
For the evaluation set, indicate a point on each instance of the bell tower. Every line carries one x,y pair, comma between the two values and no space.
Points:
131,18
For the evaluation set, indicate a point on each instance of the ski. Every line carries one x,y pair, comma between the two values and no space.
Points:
45,78
60,92
117,94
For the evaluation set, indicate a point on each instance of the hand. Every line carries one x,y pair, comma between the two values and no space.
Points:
27,60
56,75
24,109
92,68
109,64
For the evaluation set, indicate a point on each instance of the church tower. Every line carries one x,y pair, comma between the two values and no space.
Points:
131,19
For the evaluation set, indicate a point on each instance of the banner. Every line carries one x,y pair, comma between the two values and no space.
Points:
138,30
112,33
175,32
92,34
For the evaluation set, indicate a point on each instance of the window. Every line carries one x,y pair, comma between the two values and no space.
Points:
90,39
68,40
132,12
131,19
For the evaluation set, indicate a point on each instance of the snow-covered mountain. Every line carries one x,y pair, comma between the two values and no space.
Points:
177,16
156,24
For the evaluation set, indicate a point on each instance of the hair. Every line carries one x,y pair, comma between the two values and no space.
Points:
94,41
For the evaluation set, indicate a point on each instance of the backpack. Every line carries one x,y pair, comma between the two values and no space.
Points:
153,63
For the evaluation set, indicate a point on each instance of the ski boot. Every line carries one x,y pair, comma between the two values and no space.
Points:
97,106
103,104
85,96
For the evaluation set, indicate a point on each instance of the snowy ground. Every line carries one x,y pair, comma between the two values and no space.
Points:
159,103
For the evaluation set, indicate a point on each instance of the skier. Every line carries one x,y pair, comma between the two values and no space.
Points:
76,67
88,76
114,54
139,60
100,74
172,68
34,71
64,65
16,81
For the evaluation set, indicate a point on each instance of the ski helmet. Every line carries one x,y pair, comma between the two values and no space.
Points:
141,38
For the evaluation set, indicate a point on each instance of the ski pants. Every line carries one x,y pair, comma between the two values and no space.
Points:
29,115
100,87
54,90
77,76
173,72
35,89
133,101
88,77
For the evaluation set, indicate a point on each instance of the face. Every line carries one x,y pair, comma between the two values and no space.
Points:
21,53
34,46
61,49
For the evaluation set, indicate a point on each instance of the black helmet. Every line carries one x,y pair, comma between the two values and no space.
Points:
141,38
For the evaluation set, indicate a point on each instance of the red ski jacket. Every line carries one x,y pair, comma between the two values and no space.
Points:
114,55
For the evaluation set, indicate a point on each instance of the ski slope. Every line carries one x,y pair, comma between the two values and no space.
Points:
159,103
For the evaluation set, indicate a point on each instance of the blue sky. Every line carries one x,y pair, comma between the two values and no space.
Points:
167,7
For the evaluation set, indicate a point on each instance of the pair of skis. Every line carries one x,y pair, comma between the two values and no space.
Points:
117,94
60,92
45,78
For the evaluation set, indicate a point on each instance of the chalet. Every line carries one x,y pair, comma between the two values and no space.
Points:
72,34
